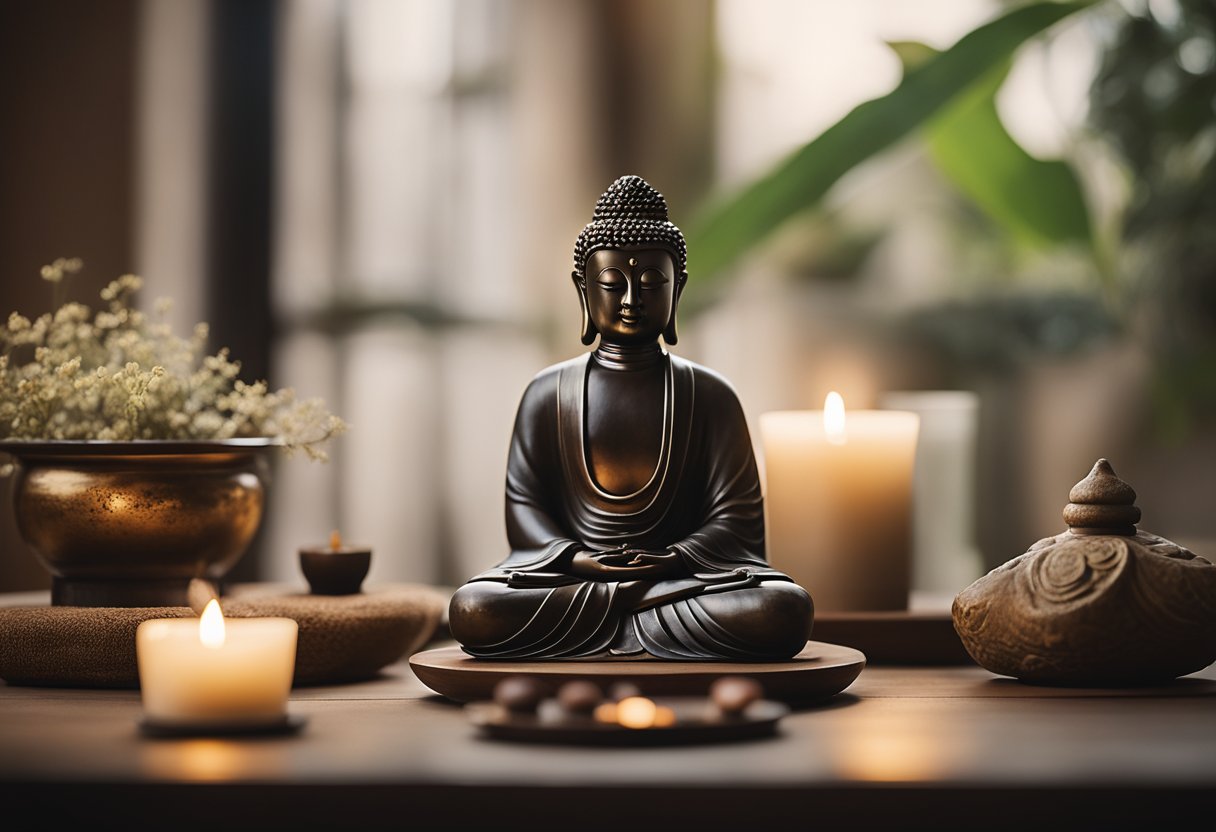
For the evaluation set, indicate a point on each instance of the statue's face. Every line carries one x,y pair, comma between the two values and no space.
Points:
630,293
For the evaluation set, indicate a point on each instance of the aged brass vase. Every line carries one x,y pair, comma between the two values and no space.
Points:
129,524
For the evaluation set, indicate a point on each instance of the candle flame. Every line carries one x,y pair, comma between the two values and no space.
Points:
211,625
335,540
834,419
635,712
640,712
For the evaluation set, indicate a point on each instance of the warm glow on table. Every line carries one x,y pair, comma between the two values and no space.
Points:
838,502
212,669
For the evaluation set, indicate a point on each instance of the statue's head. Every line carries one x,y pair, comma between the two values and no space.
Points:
630,266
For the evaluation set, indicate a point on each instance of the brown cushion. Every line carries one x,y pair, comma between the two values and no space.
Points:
343,638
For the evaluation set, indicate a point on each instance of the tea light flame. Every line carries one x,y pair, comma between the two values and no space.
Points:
636,712
834,418
335,540
211,625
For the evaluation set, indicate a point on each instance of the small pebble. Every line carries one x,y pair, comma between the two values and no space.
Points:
623,690
519,694
580,696
732,694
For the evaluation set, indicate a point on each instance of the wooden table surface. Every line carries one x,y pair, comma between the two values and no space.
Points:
903,747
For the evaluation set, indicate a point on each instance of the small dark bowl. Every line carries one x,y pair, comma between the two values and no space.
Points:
331,572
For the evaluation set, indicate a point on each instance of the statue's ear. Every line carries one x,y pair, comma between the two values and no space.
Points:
669,331
589,332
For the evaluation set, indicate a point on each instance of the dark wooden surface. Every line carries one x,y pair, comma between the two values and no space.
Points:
902,747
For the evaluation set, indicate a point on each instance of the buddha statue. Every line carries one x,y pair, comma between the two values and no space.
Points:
634,512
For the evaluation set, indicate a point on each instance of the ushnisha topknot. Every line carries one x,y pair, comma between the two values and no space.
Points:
631,213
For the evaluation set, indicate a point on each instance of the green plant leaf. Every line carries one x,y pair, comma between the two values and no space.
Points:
1039,201
730,226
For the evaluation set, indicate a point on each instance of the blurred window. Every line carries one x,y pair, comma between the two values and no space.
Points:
392,297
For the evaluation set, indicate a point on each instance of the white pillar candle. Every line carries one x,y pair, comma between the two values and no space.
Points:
838,503
216,670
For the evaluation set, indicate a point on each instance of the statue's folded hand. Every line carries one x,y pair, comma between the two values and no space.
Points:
669,564
625,565
740,578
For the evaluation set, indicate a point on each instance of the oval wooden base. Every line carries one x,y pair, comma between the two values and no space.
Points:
818,672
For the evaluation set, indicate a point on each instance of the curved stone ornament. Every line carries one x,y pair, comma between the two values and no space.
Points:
1101,604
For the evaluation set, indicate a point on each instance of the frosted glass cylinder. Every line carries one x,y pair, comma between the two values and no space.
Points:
945,558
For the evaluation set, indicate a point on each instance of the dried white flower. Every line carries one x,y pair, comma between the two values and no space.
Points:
77,374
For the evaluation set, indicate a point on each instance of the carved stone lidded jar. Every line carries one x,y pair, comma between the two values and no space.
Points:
1101,604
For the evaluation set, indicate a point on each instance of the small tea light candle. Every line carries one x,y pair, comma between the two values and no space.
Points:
213,671
636,712
337,569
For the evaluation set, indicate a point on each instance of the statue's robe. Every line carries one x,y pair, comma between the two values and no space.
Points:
703,502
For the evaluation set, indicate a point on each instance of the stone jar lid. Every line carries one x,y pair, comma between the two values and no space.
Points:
1100,604
1102,504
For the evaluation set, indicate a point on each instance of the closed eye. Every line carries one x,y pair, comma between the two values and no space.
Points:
653,279
612,280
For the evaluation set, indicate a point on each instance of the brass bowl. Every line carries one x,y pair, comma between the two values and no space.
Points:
129,524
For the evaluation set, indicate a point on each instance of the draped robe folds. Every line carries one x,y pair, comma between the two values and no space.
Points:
703,502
